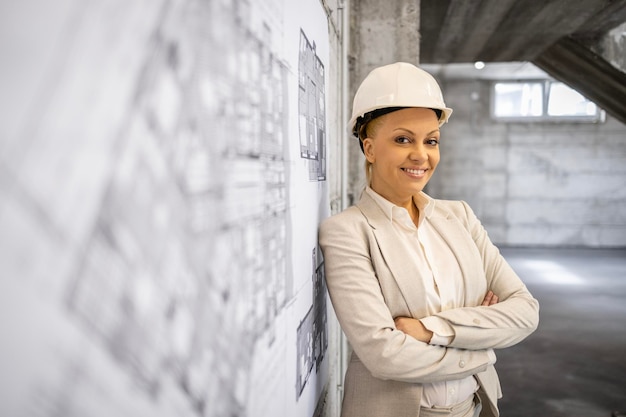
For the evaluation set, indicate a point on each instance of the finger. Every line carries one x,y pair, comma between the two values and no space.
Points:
487,299
494,300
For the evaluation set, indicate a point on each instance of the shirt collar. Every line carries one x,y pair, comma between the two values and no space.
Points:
422,201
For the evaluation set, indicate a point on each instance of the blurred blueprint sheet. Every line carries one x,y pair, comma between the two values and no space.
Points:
160,192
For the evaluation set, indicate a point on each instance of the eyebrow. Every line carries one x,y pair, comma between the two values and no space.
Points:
413,133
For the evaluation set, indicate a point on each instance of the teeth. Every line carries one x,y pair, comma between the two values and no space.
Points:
415,171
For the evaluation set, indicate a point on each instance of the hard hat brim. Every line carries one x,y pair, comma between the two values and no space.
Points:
445,115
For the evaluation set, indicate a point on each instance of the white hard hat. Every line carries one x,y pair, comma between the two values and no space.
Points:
397,85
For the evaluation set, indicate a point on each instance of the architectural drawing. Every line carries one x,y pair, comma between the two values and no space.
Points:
313,330
180,288
312,109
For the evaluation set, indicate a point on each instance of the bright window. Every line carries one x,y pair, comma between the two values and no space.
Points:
564,101
518,100
541,100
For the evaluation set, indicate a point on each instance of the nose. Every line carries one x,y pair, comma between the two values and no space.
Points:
418,153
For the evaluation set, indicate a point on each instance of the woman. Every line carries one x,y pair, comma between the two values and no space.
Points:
420,291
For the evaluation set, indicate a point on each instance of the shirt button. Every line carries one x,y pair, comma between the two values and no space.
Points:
462,364
476,321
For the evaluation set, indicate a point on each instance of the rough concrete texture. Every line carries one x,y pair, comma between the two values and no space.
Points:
383,33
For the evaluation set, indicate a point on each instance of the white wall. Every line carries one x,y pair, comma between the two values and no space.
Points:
153,257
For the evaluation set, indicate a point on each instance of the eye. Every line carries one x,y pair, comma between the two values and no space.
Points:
403,139
432,141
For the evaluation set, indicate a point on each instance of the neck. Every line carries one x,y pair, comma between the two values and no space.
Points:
414,212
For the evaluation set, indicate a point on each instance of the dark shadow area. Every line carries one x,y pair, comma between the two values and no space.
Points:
574,365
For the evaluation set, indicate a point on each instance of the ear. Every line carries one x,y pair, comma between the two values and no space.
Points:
368,149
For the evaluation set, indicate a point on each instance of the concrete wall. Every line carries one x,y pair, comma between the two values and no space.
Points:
543,184
143,203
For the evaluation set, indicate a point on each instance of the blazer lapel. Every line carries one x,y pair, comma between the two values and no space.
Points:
395,255
462,246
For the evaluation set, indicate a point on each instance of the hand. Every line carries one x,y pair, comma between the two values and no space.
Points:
414,328
490,299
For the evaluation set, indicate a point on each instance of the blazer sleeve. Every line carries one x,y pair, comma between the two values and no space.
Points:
366,319
504,324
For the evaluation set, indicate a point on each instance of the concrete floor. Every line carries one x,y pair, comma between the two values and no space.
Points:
574,365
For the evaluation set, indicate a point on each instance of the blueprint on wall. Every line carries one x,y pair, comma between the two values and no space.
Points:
175,270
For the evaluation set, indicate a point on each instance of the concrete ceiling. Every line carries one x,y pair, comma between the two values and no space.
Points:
555,35
509,30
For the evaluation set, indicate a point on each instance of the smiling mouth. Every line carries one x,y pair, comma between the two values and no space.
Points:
414,171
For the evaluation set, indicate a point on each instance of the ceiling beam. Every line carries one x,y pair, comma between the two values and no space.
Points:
576,65
613,15
432,15
451,34
531,26
482,27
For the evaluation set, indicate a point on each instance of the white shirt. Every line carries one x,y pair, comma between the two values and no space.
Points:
444,287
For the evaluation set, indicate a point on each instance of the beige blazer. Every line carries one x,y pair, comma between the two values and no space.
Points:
370,283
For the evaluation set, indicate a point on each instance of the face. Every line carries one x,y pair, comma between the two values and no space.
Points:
404,152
